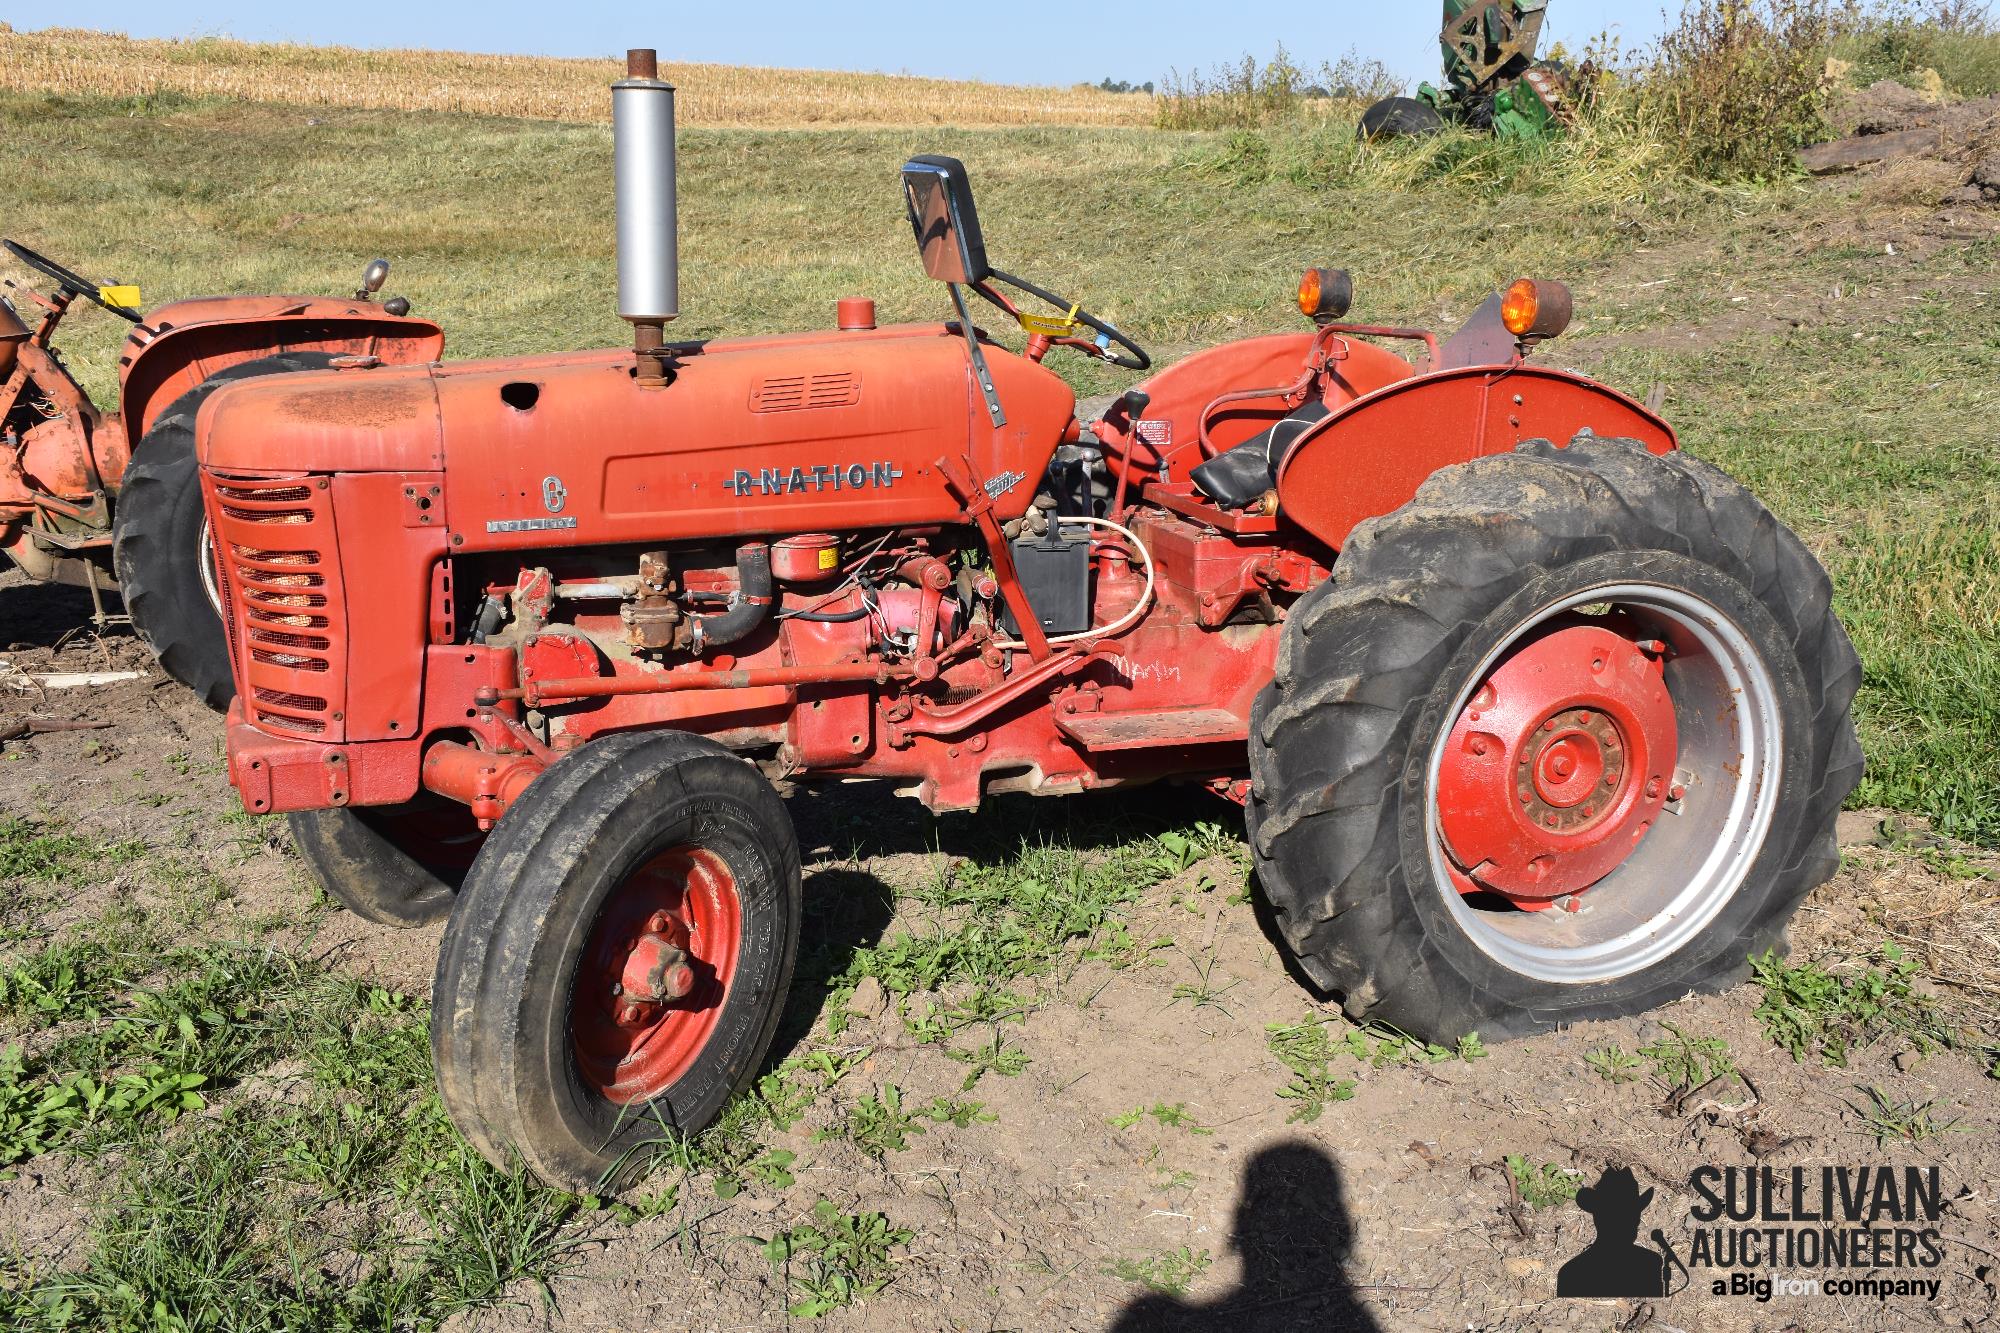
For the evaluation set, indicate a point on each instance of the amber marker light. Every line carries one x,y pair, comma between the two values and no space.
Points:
1325,293
1533,310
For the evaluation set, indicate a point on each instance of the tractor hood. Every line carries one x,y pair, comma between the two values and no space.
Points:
792,433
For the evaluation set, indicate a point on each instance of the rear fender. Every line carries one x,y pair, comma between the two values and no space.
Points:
1179,394
181,345
1371,456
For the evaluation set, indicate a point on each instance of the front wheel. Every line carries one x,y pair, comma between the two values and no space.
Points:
395,865
617,960
1564,737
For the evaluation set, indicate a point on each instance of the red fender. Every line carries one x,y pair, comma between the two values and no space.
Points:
1370,456
1183,390
182,344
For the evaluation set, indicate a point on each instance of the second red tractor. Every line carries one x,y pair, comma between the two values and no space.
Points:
1534,718
111,501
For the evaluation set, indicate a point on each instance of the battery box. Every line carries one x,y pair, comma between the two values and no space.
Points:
1055,573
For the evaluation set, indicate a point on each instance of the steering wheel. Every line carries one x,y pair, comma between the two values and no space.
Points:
68,279
1134,356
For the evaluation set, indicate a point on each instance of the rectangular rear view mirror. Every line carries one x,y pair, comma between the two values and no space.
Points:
939,198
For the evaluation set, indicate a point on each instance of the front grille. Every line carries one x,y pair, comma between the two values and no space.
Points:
280,578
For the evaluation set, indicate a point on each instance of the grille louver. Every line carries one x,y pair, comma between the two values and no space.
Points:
280,582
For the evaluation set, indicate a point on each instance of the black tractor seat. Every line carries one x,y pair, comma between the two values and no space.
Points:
1239,475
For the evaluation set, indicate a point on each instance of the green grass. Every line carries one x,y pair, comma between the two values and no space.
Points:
1922,600
1811,1010
36,852
1170,1273
1683,1061
880,1124
1614,1064
1168,1117
836,1258
238,1218
1307,1050
1899,45
1544,1184
1899,1120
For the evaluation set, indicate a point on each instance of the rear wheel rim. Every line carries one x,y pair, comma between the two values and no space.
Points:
205,564
1637,871
655,974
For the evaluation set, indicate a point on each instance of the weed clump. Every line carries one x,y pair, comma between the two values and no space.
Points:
1741,84
1954,39
1544,1184
836,1258
1810,1010
1170,1273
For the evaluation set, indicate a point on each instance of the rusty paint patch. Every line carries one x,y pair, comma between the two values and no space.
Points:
349,403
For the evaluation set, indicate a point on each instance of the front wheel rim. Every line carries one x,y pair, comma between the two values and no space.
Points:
1717,760
659,966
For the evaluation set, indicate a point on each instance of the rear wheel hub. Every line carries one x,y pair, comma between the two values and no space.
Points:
1557,765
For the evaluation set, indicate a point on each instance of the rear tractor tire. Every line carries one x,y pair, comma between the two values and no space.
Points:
160,538
1563,738
617,961
393,865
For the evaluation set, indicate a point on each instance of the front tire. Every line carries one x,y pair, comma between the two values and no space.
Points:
396,865
619,956
160,540
1563,738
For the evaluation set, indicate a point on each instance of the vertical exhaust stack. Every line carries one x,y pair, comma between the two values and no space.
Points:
649,285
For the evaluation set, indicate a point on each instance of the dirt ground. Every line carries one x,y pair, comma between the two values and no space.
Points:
1391,1210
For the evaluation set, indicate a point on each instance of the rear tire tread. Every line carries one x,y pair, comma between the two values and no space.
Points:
1332,733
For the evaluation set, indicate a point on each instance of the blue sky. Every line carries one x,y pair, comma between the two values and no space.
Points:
1022,41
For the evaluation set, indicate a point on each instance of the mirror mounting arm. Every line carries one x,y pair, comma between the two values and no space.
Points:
980,371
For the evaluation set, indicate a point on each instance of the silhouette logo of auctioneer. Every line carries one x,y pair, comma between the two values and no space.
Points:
1615,1264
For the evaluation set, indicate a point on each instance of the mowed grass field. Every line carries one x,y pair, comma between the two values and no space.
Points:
244,1111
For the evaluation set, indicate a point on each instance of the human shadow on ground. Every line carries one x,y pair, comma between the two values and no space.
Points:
1294,1235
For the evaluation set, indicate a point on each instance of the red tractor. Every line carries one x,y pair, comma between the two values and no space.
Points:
111,502
1535,719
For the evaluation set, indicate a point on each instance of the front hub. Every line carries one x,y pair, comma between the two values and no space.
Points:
1558,764
655,974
